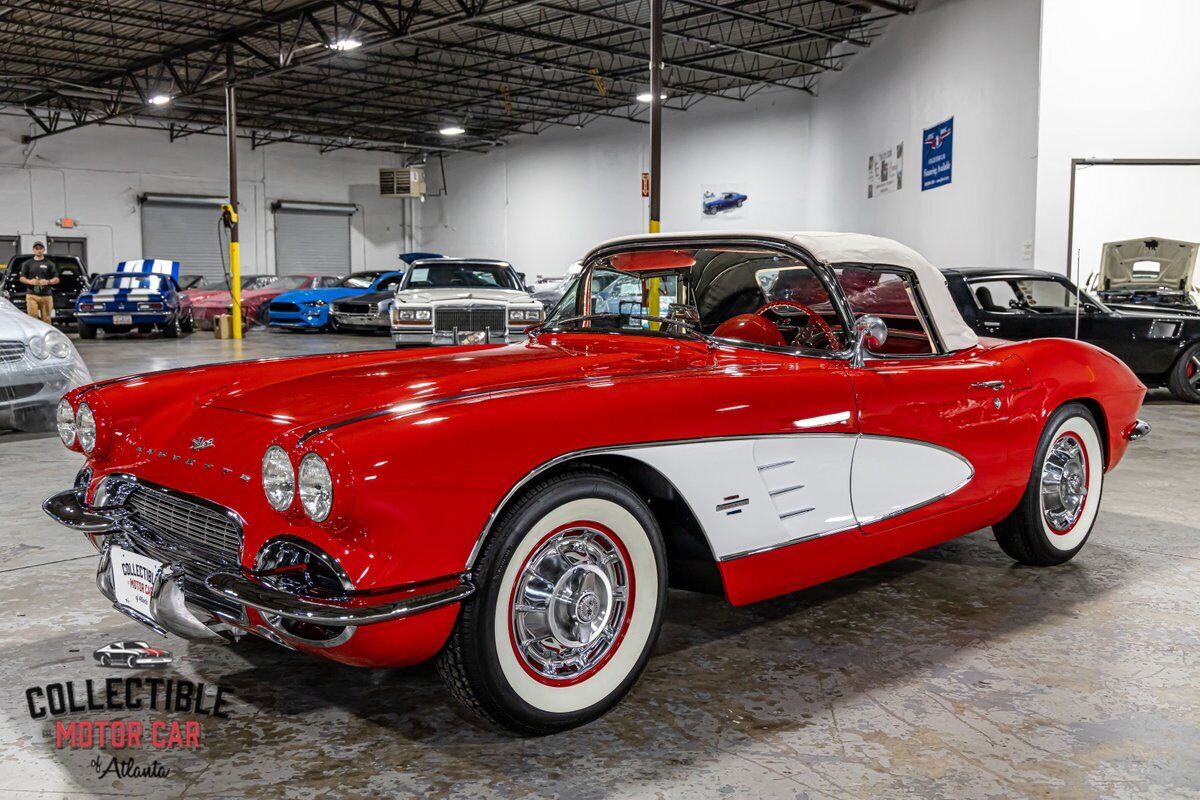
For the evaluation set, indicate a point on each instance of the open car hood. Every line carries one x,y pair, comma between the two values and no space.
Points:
1147,264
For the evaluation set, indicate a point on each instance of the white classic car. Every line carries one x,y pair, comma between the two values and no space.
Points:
38,364
462,301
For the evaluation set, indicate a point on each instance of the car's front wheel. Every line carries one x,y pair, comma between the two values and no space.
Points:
571,588
1061,501
1184,380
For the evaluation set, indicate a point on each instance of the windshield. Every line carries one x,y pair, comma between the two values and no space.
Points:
445,276
359,280
132,280
287,283
746,294
1029,295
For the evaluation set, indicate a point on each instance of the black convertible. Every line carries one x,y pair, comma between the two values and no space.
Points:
1162,347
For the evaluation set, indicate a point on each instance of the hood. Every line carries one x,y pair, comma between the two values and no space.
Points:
1149,263
223,298
328,295
16,324
371,297
297,391
457,294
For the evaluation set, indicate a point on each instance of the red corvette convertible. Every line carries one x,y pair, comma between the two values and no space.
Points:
365,507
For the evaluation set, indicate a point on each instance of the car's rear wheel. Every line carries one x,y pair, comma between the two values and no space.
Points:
1184,381
1059,507
86,331
571,588
171,329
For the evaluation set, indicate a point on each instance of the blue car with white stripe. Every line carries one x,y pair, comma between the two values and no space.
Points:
308,309
142,295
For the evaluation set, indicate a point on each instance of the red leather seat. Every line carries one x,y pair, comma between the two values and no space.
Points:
750,328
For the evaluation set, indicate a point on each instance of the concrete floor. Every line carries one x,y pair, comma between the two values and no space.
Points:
952,673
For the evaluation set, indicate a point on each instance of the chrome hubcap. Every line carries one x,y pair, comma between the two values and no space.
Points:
570,603
1064,483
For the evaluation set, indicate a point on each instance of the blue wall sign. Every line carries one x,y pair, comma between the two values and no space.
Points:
937,154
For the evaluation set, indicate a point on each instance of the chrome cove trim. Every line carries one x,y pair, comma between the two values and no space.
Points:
246,590
483,535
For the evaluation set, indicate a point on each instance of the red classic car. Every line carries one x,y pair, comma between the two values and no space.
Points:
257,293
366,507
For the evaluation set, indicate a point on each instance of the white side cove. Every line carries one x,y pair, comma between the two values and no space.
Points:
757,494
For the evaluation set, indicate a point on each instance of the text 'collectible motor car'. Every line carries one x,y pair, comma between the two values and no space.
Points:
1161,345
462,301
745,442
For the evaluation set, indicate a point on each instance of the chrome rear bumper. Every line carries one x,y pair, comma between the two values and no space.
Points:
170,611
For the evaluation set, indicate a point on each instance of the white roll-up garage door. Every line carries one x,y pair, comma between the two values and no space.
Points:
185,230
312,238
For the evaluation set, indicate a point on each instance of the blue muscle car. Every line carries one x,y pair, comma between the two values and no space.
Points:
142,295
308,309
725,201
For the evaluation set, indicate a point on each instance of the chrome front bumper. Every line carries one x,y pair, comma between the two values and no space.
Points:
432,337
171,612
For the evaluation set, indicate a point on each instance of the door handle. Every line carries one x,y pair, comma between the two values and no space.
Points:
995,386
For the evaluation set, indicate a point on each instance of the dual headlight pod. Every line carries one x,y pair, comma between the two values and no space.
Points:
281,483
49,344
524,315
412,316
76,426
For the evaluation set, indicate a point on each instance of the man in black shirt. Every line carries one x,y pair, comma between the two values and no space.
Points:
39,274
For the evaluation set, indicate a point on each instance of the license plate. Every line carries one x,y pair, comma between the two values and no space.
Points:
122,319
133,579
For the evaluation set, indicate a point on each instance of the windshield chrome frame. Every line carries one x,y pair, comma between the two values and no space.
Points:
781,246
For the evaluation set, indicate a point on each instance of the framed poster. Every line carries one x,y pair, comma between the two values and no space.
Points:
937,155
885,171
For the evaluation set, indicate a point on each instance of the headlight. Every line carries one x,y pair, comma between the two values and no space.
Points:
37,347
316,487
64,417
58,344
524,315
413,315
85,428
278,478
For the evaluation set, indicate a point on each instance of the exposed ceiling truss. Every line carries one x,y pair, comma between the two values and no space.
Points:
495,67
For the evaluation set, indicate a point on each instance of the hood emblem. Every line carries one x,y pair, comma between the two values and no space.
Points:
200,443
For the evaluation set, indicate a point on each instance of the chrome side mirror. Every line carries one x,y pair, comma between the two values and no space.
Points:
869,331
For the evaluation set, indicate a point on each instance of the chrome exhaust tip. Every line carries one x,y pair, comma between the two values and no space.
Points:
1140,430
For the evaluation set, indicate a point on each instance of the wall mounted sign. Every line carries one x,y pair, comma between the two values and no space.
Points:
937,155
885,171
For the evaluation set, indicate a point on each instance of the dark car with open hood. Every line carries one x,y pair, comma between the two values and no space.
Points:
1161,345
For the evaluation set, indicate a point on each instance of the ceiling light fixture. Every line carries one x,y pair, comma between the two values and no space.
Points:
160,99
346,44
452,130
645,97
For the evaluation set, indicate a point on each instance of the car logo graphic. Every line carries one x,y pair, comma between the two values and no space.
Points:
200,442
132,655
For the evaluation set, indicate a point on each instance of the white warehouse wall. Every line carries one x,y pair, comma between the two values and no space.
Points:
95,175
542,201
1115,83
973,60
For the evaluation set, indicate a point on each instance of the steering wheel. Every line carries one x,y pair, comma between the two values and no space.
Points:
815,321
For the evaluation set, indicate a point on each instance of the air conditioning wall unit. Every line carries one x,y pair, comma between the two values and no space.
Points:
402,182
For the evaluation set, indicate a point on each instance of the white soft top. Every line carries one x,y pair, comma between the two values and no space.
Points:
858,248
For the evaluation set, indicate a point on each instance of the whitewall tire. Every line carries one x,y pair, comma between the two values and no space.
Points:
1062,499
571,587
